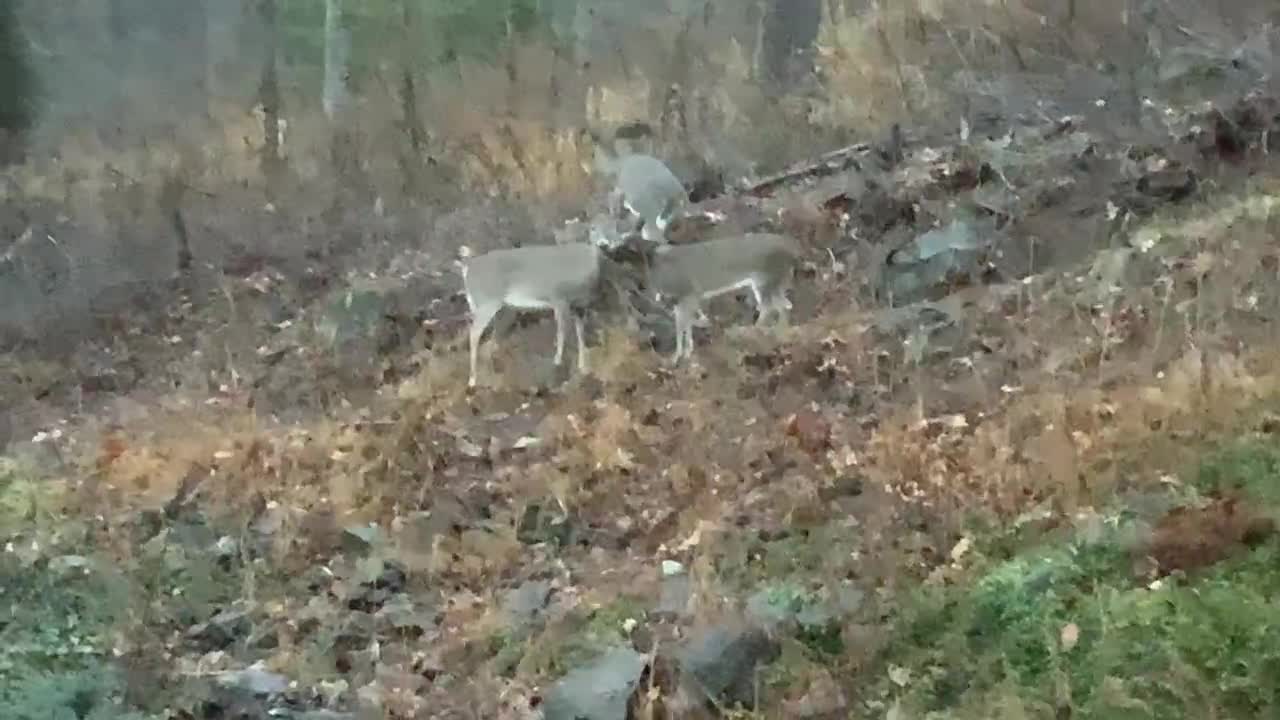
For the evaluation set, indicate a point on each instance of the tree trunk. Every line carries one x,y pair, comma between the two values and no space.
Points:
197,34
337,52
344,153
583,32
170,202
760,12
510,62
565,86
117,23
226,69
269,98
583,24
17,86
186,34
670,97
415,133
790,27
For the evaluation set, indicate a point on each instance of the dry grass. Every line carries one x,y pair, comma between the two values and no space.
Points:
759,436
1050,426
615,359
1080,392
887,63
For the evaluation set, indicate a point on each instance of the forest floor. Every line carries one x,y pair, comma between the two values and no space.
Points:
1048,492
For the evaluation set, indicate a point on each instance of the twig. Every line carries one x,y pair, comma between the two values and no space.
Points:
182,183
826,164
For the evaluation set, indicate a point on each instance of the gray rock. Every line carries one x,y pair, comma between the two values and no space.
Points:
400,613
325,715
824,700
522,604
544,525
599,691
360,539
221,630
193,535
65,564
254,680
723,659
371,315
773,607
37,460
850,598
35,271
924,265
957,235
6,429
354,314
674,600
271,520
787,608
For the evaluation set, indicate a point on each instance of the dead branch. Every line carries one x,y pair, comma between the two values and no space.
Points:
828,163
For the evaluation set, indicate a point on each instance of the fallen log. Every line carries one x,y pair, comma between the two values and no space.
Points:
827,163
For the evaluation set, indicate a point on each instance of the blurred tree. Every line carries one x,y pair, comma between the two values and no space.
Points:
445,30
344,151
337,53
118,21
18,87
790,27
411,119
269,97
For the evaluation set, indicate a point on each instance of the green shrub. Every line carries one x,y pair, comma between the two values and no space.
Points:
1251,466
18,85
1203,646
89,694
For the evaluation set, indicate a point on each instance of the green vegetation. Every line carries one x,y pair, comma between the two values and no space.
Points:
443,30
1072,626
570,642
90,694
55,637
1249,465
66,605
17,79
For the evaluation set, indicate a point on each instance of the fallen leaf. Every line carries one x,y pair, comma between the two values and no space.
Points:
1070,635
810,429
110,450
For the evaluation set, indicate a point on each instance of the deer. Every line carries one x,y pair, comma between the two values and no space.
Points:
645,187
683,276
562,278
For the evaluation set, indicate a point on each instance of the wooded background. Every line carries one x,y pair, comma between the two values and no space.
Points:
146,134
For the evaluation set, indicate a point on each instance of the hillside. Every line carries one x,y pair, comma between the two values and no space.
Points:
1021,464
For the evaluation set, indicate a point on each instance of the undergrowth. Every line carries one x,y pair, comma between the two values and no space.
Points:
944,557
1070,626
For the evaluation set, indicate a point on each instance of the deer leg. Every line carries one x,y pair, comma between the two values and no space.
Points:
481,316
582,345
562,322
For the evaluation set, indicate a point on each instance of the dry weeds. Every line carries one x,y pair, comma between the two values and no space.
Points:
767,434
947,441
1047,399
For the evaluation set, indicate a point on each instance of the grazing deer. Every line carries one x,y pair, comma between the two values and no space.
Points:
561,278
689,274
646,187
